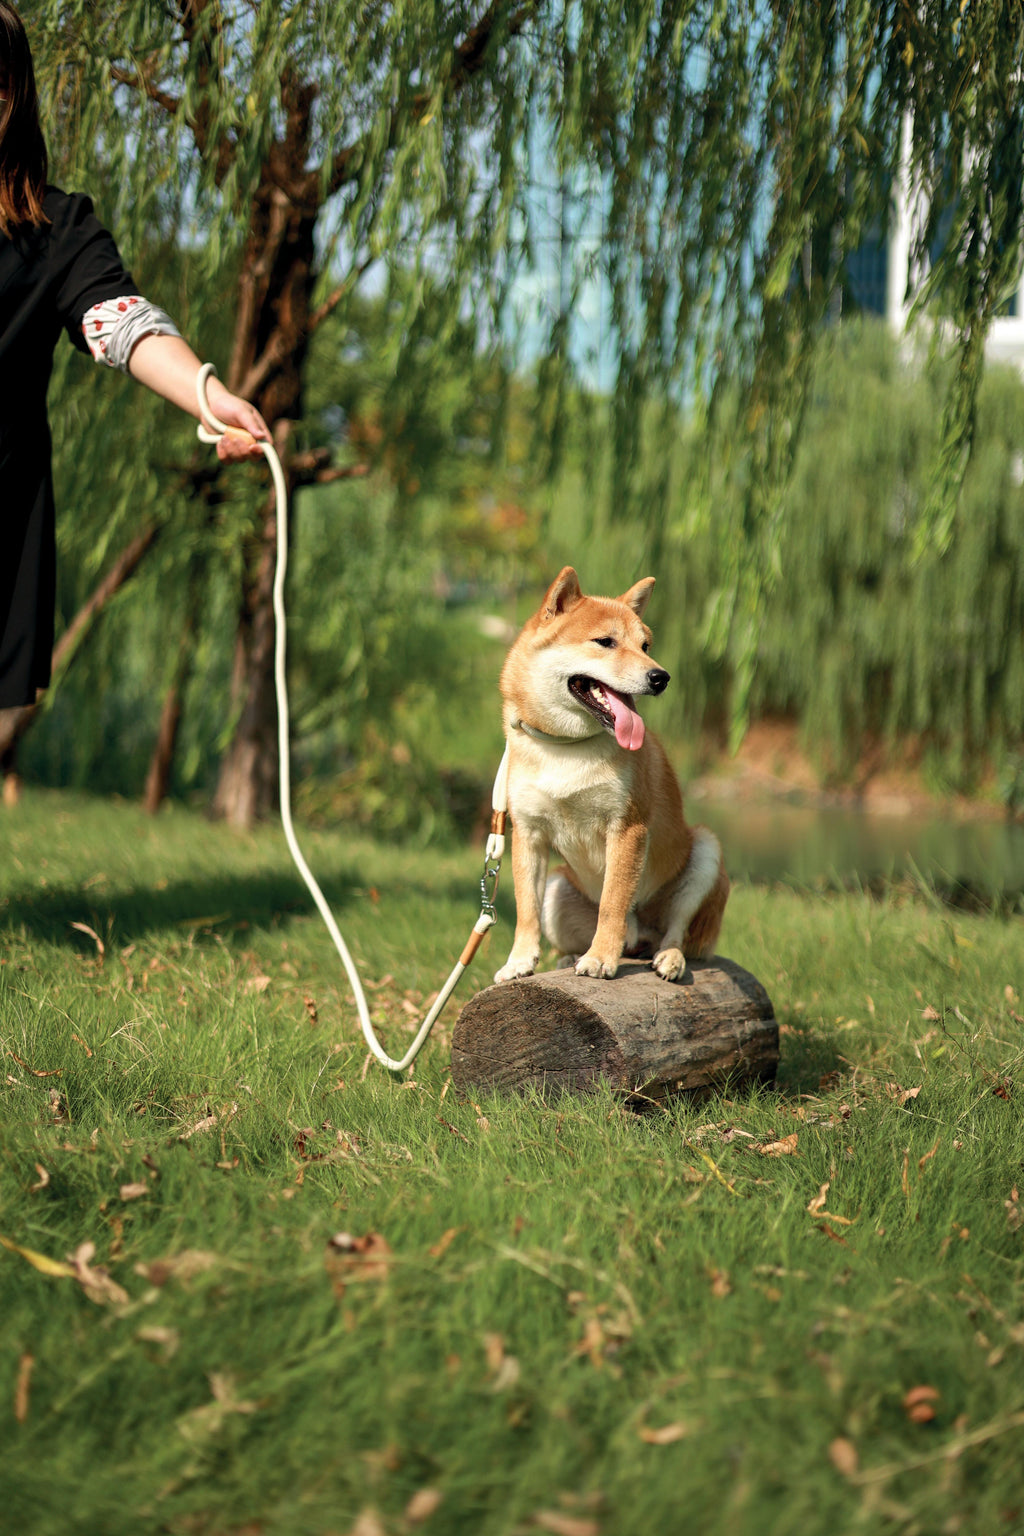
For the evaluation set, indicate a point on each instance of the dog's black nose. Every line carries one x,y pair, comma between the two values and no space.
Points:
657,680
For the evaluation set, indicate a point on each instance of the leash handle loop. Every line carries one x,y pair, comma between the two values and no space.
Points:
211,429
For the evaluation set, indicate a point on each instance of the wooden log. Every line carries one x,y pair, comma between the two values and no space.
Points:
561,1032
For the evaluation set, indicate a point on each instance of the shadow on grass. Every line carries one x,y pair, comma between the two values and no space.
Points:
809,1063
227,906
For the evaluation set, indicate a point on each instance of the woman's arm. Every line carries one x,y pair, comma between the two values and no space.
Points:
168,366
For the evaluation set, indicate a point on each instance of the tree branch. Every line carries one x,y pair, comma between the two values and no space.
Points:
141,81
467,60
313,467
280,345
341,472
332,300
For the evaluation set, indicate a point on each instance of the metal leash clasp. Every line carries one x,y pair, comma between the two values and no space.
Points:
489,888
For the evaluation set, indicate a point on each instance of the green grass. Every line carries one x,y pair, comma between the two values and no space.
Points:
587,1321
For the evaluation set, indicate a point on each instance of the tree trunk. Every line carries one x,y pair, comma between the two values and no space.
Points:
158,777
266,365
247,784
559,1031
161,764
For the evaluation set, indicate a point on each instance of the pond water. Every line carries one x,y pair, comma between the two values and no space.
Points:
813,845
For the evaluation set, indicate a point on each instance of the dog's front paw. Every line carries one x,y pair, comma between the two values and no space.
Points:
593,964
513,967
670,963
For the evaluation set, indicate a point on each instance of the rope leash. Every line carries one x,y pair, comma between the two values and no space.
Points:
210,431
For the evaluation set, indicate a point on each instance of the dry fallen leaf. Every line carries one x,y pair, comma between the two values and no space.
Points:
58,1106
167,1339
177,1266
842,1453
21,1386
901,1095
92,934
368,1523
504,1368
831,1232
665,1434
438,1249
357,1259
592,1342
494,1350
133,1191
783,1148
816,1208
200,1423
36,1071
422,1505
565,1525
40,1261
44,1179
95,1279
919,1404
721,1285
205,1124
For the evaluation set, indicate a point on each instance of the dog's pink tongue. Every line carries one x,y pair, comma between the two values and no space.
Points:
629,728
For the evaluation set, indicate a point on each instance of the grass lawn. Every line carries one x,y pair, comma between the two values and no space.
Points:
797,1311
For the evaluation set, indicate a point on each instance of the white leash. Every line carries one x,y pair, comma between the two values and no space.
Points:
211,431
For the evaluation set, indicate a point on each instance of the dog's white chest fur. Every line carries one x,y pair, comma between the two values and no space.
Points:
570,796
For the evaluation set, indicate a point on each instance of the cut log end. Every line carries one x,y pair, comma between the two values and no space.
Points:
561,1032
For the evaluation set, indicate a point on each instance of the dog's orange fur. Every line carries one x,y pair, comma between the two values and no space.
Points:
636,875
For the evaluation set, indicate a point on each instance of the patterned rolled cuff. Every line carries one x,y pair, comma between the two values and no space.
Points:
112,328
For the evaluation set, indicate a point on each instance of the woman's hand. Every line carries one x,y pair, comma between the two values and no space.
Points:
246,427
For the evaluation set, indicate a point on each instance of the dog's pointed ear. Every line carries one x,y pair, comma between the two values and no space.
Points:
563,593
636,597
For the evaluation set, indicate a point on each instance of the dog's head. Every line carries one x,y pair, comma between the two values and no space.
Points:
585,659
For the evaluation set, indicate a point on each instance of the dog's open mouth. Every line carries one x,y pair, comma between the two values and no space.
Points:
614,710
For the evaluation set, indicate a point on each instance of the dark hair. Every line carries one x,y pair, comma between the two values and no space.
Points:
23,161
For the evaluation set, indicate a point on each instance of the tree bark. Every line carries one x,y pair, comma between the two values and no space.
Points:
161,763
273,323
158,777
561,1032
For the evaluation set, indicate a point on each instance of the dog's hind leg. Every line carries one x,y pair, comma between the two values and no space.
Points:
569,918
695,909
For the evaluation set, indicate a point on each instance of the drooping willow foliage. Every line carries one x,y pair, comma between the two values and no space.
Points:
732,152
880,658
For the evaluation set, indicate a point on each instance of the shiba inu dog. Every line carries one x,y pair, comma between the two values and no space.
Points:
586,779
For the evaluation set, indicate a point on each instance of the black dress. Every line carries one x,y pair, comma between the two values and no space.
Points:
49,276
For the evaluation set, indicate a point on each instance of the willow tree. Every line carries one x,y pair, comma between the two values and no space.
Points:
734,155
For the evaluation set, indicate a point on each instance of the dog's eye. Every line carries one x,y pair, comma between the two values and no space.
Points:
607,641
646,648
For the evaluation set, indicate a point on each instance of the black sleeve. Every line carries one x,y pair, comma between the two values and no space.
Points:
90,265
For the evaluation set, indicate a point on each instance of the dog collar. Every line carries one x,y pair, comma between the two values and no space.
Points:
558,741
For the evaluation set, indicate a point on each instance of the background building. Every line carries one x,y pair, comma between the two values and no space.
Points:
881,278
